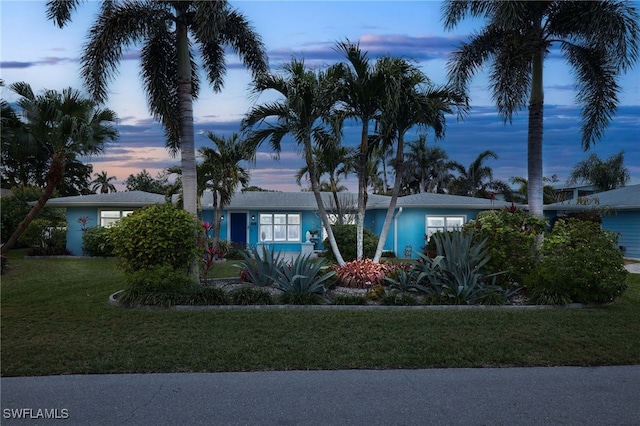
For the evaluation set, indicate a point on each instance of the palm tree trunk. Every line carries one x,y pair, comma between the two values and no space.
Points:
362,188
394,198
185,99
534,142
54,177
315,187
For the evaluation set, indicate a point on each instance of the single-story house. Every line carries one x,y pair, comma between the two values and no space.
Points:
281,220
620,210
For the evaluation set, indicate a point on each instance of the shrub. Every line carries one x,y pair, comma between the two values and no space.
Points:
45,238
291,298
349,299
250,296
206,296
303,276
96,242
376,292
346,240
396,298
158,285
361,273
156,235
260,270
510,236
581,262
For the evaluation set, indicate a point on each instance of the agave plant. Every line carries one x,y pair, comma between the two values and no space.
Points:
260,270
303,276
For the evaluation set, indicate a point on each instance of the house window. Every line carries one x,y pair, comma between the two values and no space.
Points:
280,227
108,217
443,223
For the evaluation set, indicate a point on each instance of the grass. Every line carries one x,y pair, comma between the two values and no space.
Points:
55,319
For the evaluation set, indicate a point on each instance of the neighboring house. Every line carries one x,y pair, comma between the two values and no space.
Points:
572,192
281,220
620,209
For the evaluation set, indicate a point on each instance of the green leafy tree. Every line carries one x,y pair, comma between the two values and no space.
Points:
223,172
67,124
300,111
427,168
477,179
598,39
102,183
143,181
170,33
604,175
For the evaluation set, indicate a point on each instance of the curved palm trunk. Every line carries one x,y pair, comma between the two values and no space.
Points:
394,198
54,177
315,187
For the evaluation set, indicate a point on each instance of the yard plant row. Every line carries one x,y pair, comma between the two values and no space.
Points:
55,319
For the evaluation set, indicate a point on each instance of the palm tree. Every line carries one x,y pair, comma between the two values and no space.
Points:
477,180
334,160
300,111
222,172
170,32
66,124
598,39
520,195
603,175
428,169
103,183
362,90
413,101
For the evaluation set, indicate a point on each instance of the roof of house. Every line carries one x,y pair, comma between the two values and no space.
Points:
290,200
113,199
625,198
443,201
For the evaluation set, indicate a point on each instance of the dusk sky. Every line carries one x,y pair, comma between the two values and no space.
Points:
36,51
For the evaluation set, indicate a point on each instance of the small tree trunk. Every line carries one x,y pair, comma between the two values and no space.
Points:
54,177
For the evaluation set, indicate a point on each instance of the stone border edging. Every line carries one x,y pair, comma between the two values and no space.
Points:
113,301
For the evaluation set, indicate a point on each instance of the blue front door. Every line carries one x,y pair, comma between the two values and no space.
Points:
239,228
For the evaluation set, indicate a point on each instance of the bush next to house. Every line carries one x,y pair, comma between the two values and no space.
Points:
45,237
510,236
581,263
96,241
156,235
155,247
345,236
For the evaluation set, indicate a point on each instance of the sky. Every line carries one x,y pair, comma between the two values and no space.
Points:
34,50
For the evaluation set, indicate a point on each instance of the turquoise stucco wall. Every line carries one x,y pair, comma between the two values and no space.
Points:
74,228
627,225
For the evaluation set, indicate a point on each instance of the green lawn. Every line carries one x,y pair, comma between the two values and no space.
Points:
55,319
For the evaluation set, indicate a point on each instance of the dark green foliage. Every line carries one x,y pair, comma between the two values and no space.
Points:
260,269
206,296
156,235
581,263
345,236
158,285
398,298
4,265
250,296
293,298
303,276
510,236
235,251
348,299
96,242
45,238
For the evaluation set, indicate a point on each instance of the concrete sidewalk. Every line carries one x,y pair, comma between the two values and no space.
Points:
486,396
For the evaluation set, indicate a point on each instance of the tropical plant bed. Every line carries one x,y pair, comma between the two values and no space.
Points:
339,298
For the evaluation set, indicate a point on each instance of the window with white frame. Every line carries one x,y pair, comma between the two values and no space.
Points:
276,227
109,217
443,223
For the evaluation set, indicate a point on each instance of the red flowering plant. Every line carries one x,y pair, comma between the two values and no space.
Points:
361,273
211,253
83,221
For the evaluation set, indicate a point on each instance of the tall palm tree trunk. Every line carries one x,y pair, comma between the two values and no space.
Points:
394,199
534,140
362,188
54,177
185,99
315,187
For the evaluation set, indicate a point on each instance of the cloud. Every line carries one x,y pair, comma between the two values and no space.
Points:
48,60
